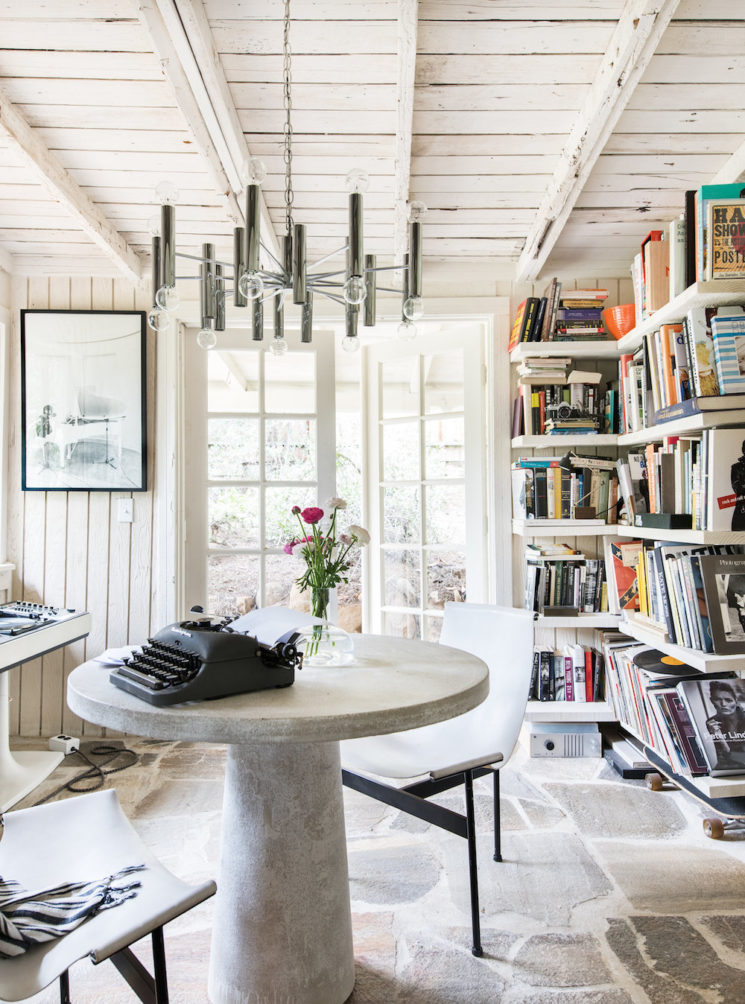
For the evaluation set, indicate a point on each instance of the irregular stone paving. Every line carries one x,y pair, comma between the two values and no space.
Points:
608,893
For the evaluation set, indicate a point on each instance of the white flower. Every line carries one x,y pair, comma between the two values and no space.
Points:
344,538
336,503
360,534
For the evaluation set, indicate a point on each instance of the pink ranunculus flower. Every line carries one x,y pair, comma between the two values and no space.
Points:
289,546
295,510
312,514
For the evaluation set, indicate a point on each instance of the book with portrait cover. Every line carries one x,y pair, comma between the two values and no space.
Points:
725,482
724,587
716,709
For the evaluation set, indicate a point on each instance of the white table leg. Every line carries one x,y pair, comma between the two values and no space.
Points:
283,926
22,771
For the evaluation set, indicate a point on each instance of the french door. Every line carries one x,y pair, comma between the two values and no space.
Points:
426,479
259,439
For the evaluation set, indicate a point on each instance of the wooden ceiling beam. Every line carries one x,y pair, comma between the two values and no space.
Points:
29,145
182,40
634,42
408,19
7,262
733,169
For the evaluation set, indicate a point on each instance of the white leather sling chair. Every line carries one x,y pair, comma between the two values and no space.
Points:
456,751
87,838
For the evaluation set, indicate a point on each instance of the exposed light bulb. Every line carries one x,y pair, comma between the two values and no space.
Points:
417,211
166,193
406,331
350,343
251,285
158,320
153,226
206,339
355,290
256,170
357,181
413,308
278,346
167,298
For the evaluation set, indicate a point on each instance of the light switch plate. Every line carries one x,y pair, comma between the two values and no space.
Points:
126,510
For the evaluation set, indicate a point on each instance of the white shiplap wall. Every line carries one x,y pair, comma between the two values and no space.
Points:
68,547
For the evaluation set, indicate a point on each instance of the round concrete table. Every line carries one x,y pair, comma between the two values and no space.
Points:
283,928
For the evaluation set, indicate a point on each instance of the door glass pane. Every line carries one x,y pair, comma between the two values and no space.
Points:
444,448
232,381
290,449
401,515
432,628
445,514
443,382
280,526
233,449
232,584
290,386
401,451
445,578
402,625
233,515
400,386
402,578
280,573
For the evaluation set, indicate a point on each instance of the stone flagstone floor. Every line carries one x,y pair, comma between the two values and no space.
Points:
608,893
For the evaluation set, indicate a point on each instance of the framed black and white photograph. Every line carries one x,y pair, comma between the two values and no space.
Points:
83,400
724,586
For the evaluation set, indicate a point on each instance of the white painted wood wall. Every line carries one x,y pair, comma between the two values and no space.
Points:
68,547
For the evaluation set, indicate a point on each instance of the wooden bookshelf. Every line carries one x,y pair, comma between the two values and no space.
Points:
558,443
572,350
704,662
569,711
682,427
717,293
559,527
681,536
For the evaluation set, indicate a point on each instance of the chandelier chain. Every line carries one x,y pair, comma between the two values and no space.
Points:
287,94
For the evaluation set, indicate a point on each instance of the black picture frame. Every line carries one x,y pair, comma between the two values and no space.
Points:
83,400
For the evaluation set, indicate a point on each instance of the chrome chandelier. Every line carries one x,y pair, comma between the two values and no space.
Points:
258,277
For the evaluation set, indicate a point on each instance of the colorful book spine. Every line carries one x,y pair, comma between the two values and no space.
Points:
728,331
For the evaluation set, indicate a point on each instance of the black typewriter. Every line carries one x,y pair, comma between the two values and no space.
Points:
200,659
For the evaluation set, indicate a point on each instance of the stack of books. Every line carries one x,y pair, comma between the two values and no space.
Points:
573,674
573,584
684,369
579,316
554,488
691,596
696,723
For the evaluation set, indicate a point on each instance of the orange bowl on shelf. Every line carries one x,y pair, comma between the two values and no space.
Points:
619,320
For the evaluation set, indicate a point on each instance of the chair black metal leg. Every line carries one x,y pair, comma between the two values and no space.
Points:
64,988
159,967
472,865
497,820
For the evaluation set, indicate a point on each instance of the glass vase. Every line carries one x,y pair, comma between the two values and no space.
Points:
324,643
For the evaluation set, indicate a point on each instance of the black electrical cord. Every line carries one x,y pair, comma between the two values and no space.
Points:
96,772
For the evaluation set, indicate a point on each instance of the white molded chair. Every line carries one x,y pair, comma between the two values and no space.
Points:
84,838
456,751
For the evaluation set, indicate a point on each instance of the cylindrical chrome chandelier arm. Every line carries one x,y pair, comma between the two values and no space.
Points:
155,266
306,324
258,320
299,290
219,299
207,291
239,265
167,246
415,259
279,317
253,223
356,242
370,287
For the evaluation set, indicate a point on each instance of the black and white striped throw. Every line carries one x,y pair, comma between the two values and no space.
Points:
29,918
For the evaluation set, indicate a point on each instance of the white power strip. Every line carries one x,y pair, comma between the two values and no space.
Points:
64,744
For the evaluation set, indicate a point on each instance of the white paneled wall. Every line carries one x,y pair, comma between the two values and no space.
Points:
68,547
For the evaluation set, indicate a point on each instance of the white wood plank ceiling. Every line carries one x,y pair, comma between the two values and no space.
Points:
545,137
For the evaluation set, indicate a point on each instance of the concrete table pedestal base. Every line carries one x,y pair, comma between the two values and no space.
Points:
283,927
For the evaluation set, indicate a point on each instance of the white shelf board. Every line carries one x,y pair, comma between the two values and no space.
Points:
572,350
557,442
557,527
682,536
716,293
705,662
569,711
579,621
682,426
